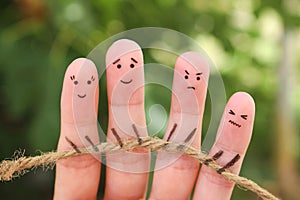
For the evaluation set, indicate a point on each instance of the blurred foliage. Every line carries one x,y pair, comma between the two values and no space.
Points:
38,39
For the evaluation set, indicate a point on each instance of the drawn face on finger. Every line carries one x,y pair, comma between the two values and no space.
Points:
237,122
80,91
125,74
83,92
190,81
239,112
236,118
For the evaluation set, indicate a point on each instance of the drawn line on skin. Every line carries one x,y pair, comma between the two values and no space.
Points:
191,87
140,141
116,61
244,117
171,132
81,96
190,136
126,82
229,164
117,137
74,146
134,60
234,123
91,143
217,155
214,158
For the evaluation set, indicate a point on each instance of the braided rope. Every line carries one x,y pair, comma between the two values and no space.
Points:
10,169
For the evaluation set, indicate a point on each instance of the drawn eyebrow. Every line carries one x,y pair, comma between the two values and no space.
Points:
199,73
187,72
116,61
134,60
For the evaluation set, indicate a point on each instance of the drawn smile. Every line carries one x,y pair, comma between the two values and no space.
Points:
234,123
81,96
191,87
126,82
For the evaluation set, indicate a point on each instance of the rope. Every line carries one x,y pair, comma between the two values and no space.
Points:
10,169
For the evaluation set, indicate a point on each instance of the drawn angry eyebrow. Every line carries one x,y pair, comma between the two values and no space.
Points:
187,72
134,60
116,61
199,73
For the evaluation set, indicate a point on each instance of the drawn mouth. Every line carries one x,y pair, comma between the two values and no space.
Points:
191,87
235,124
81,96
126,82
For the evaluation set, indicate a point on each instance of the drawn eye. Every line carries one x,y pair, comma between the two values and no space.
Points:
119,66
244,117
198,78
231,112
132,65
76,82
89,82
187,73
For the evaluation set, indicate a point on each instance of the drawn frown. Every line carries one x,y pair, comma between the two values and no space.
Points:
76,82
234,123
188,75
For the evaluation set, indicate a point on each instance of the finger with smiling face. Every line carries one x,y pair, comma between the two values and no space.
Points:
127,172
79,105
190,82
232,141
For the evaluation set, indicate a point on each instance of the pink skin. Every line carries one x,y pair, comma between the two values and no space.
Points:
187,109
78,178
232,140
79,105
125,90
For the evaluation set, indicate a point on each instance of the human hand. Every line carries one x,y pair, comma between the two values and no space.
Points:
127,172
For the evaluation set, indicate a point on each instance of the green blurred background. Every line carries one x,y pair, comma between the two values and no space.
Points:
254,43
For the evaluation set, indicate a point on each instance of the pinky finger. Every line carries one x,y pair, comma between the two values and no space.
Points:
231,144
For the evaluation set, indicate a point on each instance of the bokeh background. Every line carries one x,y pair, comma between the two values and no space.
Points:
254,43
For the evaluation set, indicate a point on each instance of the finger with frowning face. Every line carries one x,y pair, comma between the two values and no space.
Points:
190,83
188,98
231,143
127,172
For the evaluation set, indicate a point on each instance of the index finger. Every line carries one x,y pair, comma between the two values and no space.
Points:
78,176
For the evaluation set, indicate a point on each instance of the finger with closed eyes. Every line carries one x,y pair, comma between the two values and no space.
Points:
229,149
